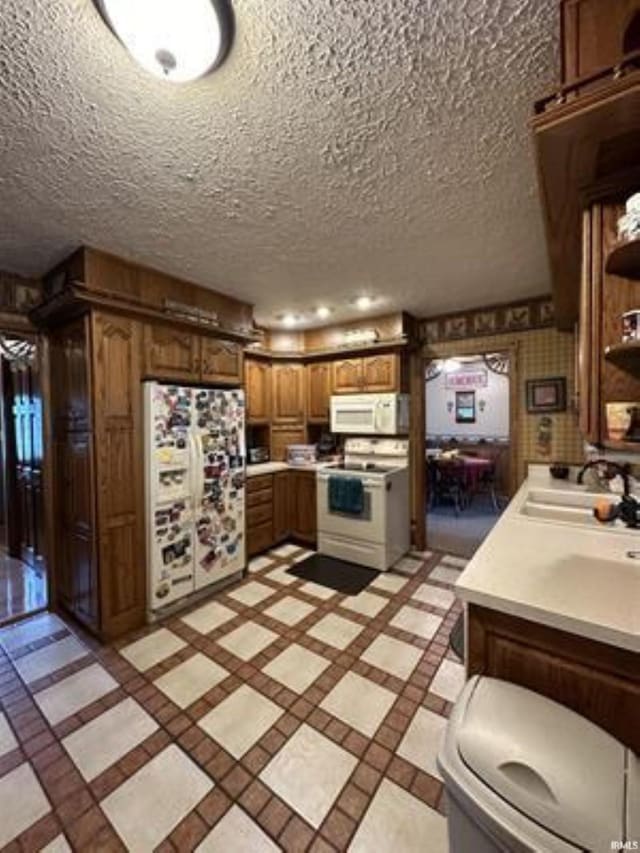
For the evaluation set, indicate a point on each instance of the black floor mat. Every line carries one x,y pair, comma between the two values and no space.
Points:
347,578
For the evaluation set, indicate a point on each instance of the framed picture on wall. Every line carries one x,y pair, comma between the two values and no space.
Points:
465,407
547,395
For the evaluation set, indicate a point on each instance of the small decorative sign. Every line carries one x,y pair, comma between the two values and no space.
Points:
466,378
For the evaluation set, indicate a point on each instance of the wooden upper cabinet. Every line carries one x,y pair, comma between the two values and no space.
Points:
221,361
257,377
381,373
596,34
347,376
318,378
171,354
288,393
374,373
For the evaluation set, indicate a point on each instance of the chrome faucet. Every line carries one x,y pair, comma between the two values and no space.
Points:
623,470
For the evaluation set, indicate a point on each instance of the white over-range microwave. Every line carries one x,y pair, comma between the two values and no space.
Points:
370,414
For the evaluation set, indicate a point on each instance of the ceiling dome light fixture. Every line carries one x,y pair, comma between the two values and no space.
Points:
177,40
289,320
364,303
322,312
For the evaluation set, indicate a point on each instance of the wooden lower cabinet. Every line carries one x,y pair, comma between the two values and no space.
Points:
281,505
598,681
303,510
284,508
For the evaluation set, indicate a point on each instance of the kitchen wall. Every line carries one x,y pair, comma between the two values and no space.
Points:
541,352
492,404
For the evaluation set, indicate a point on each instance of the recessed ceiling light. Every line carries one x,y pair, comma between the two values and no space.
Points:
364,302
177,40
323,312
289,320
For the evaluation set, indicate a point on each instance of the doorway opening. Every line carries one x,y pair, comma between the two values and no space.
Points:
469,454
23,575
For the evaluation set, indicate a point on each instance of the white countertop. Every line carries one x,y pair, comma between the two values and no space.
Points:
563,575
274,467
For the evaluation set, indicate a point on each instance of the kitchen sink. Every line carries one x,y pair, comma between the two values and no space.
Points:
566,507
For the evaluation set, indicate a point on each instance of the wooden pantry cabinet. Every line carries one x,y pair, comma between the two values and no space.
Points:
98,476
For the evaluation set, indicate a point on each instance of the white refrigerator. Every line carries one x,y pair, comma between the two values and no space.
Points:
195,488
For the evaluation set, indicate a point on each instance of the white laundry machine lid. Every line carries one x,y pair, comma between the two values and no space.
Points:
547,762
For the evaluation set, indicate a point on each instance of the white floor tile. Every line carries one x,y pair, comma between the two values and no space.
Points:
303,556
456,562
390,582
149,805
407,566
335,631
15,637
48,659
396,821
70,695
366,603
240,720
421,555
281,575
251,593
108,738
58,845
285,550
359,702
392,656
308,773
289,610
238,833
8,740
190,680
208,618
259,563
416,622
297,668
152,649
317,590
448,680
445,574
422,741
434,595
248,640
23,802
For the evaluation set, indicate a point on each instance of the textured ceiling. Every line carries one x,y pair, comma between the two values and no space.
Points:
345,146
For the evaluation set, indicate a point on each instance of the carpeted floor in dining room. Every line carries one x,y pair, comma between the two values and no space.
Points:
277,715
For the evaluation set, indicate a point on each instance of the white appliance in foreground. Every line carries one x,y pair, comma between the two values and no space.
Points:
370,414
195,489
380,535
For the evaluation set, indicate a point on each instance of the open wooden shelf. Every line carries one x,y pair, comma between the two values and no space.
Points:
624,260
625,355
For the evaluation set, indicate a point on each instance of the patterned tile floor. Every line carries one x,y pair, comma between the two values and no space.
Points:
279,715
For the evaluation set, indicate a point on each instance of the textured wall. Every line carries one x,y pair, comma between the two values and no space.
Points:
345,145
541,353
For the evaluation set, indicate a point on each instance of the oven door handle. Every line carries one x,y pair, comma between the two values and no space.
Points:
368,484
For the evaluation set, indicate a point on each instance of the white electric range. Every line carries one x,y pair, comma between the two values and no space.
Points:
379,535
